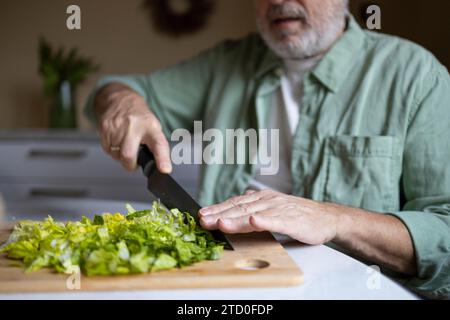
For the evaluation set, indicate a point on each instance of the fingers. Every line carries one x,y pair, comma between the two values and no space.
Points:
269,223
128,122
239,225
158,144
234,202
128,141
111,133
128,150
242,206
110,138
240,210
253,211
269,220
104,141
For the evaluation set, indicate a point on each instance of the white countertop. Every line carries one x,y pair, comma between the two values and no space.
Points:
328,273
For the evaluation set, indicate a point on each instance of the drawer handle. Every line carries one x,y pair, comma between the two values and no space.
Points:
58,193
56,154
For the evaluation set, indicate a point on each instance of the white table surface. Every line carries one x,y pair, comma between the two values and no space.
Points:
328,274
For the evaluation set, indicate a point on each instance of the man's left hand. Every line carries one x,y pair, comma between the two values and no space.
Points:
305,220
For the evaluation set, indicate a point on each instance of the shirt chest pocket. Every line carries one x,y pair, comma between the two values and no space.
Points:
362,172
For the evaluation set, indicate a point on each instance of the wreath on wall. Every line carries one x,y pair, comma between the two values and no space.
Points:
179,17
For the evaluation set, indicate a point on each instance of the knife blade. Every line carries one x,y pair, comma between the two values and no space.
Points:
170,193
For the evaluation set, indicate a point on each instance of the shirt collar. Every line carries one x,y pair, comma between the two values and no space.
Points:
270,62
334,66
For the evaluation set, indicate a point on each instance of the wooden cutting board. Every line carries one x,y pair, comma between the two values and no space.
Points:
257,261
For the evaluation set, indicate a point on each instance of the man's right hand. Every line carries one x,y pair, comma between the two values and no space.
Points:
125,121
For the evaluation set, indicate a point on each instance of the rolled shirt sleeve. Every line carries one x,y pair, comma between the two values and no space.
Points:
426,185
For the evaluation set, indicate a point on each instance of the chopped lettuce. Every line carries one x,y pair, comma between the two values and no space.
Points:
139,242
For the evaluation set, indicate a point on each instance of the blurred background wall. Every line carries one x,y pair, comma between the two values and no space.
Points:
115,33
426,22
118,35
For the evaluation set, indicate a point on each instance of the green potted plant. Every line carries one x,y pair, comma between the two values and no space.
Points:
62,73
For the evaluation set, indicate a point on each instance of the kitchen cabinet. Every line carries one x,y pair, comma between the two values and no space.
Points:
42,164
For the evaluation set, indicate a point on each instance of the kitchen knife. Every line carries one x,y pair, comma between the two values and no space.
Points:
170,193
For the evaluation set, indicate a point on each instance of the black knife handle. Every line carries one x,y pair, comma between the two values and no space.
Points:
145,159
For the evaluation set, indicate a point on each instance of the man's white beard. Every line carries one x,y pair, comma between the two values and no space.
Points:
311,42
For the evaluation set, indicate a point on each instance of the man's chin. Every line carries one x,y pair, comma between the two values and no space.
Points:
289,49
286,43
287,38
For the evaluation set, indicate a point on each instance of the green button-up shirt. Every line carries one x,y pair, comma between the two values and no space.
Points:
373,133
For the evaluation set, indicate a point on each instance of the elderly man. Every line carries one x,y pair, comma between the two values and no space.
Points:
364,120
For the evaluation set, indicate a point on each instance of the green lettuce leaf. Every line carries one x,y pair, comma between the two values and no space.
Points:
138,242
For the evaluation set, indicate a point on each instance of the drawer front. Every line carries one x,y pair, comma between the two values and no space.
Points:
25,189
74,169
29,162
58,159
65,209
24,192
